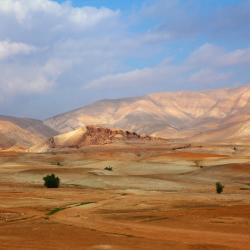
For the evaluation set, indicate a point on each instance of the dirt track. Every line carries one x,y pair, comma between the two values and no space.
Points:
154,198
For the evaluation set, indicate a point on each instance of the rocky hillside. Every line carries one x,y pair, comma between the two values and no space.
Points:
221,114
91,135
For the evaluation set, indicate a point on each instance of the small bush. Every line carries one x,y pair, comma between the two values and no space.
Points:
55,210
57,163
197,163
219,187
109,168
51,181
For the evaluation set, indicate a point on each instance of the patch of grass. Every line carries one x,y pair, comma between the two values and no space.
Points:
58,209
55,210
84,203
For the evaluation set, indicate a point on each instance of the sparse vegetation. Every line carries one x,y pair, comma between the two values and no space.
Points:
219,187
57,163
244,188
51,181
181,147
58,209
55,210
198,163
84,203
108,168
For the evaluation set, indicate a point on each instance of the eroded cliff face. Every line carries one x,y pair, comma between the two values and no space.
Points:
92,135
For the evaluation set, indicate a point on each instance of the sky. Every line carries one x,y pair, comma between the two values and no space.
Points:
59,55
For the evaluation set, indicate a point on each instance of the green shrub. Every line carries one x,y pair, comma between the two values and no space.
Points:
109,168
219,187
51,181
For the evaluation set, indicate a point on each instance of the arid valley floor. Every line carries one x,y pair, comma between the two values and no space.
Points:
156,197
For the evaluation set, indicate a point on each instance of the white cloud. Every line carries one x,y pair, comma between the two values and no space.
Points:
85,16
127,79
239,56
91,42
205,54
44,39
209,54
207,65
30,78
161,75
8,49
208,76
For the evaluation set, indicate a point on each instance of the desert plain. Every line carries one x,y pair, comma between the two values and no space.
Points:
157,196
124,125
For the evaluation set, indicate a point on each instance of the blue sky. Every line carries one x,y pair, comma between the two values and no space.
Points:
59,55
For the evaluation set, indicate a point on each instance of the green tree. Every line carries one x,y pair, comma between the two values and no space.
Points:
219,187
51,181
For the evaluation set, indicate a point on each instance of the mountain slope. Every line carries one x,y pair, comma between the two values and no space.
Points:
22,132
169,115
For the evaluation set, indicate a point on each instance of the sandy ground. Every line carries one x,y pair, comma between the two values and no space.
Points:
155,198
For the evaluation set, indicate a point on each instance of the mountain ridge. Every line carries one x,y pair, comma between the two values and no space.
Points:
219,115
163,114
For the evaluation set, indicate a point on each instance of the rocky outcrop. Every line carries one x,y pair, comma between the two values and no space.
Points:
92,135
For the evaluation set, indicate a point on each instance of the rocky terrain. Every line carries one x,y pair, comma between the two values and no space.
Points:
214,115
92,135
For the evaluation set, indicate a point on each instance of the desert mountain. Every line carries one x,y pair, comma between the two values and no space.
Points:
91,135
221,114
22,132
